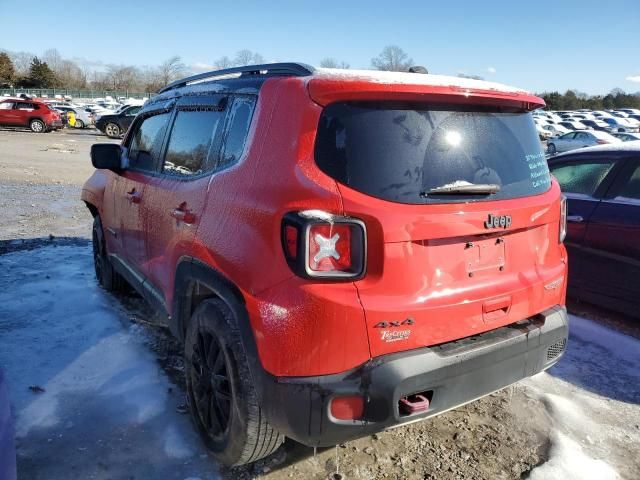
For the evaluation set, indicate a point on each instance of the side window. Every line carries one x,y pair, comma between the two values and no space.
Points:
632,188
582,136
133,111
581,178
239,123
24,106
6,105
146,142
192,145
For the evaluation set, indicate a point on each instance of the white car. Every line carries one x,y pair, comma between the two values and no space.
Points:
573,125
543,133
622,124
600,114
574,140
556,130
83,118
627,137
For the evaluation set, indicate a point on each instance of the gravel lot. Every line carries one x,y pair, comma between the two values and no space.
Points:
504,436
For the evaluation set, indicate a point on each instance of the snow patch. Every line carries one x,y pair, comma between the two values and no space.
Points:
376,76
175,445
568,461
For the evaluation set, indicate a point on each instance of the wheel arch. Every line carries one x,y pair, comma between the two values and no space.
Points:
195,282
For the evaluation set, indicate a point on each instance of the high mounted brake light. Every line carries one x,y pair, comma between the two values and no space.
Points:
324,246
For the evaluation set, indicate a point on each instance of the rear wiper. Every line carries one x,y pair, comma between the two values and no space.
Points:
463,189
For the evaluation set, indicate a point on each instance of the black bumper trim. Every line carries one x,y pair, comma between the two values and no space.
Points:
456,372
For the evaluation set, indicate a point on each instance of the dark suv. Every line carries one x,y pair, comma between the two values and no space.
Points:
116,124
340,251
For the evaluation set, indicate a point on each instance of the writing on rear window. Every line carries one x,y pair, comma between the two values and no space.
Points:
539,170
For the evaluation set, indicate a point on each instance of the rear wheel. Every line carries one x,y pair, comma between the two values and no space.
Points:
222,399
106,275
112,130
551,148
37,126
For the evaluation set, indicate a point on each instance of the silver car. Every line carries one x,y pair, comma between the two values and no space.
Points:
573,140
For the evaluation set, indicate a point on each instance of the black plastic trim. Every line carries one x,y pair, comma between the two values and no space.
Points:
456,373
282,69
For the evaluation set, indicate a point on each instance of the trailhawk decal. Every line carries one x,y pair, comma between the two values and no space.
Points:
394,335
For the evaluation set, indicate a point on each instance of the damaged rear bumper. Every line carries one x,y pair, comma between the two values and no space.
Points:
452,374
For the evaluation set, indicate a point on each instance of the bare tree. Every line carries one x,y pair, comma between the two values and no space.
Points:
247,57
223,62
170,70
392,58
331,62
21,62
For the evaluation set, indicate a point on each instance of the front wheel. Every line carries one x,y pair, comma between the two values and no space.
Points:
106,275
222,399
112,130
79,124
37,126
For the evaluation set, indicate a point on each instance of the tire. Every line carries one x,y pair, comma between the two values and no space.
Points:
551,149
79,124
37,126
112,130
106,275
223,402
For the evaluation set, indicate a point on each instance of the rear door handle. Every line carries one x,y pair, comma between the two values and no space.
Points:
183,214
133,196
574,218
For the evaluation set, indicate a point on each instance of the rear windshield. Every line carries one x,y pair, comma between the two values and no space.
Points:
399,152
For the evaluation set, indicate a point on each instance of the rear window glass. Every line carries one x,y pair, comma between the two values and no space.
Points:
191,142
399,152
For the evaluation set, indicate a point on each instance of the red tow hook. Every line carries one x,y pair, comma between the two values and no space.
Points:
414,404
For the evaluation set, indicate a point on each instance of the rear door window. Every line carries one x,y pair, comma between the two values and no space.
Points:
193,144
400,151
146,142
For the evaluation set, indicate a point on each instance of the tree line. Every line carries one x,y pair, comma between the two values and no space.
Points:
574,100
51,70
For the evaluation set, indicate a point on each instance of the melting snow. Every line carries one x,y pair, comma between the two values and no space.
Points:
108,409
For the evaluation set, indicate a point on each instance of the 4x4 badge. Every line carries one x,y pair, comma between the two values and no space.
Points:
394,323
498,221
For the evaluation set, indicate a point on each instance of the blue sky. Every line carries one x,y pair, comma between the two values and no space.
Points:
589,45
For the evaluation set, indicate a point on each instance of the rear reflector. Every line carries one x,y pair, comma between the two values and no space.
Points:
347,408
291,241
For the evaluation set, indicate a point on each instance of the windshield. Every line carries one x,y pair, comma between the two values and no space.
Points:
398,151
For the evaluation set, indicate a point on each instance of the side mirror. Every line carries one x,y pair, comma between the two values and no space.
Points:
106,156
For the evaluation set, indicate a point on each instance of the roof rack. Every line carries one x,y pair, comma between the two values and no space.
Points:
283,69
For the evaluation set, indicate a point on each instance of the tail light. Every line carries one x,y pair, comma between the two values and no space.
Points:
602,142
320,245
563,218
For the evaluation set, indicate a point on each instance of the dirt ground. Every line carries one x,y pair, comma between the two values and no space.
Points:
503,436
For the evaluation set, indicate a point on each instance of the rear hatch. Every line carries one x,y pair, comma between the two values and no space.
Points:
462,217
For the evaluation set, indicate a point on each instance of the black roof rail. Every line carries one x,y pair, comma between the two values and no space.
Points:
284,69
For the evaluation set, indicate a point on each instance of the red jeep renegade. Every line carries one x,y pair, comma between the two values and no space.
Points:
340,251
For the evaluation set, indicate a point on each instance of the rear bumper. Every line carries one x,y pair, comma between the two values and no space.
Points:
454,373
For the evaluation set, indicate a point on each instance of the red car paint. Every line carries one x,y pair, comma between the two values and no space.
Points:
418,263
20,112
